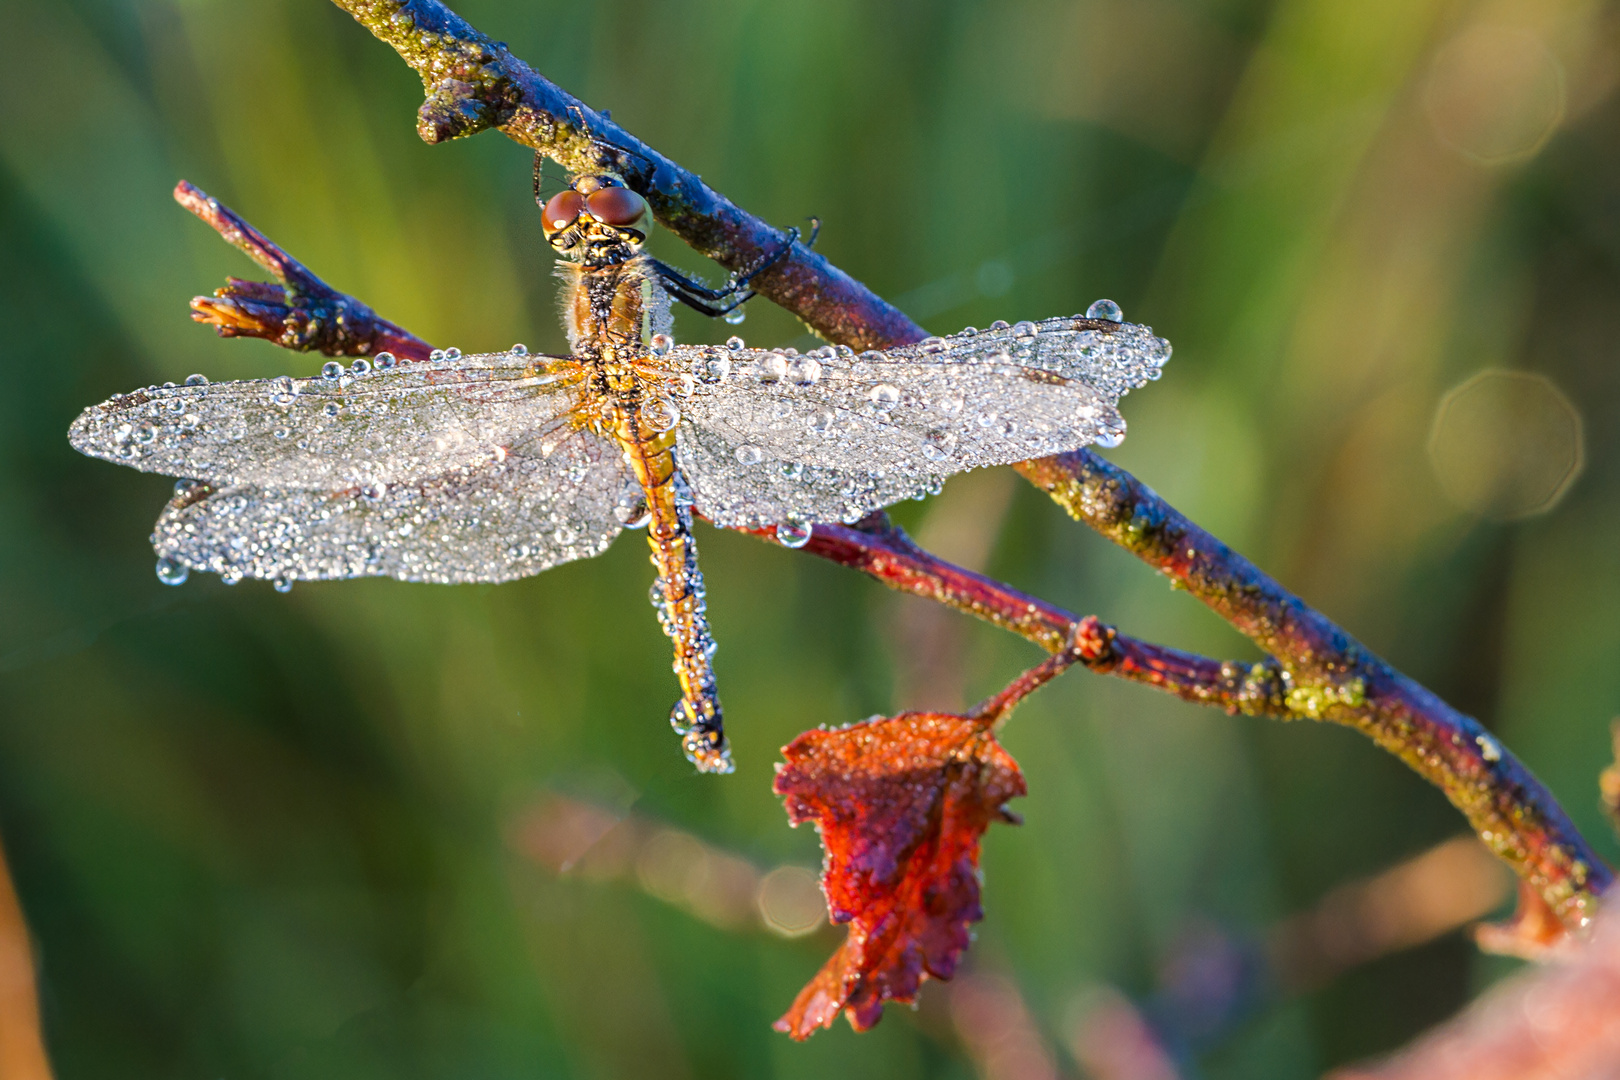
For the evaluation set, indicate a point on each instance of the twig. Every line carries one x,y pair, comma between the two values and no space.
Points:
473,82
302,312
1334,677
882,550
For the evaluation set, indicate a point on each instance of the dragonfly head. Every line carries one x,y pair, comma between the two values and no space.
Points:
595,216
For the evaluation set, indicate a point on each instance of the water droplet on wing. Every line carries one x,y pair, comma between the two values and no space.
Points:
282,584
331,370
884,395
633,514
386,361
736,315
735,343
196,380
361,366
519,349
805,371
748,454
794,534
771,367
659,415
172,573
1105,309
661,344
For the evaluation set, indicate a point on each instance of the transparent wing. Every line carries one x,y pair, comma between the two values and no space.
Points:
489,522
768,437
353,428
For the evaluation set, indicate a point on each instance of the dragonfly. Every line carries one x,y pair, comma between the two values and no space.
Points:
495,466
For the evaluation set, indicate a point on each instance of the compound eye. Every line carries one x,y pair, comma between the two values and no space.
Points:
562,211
616,206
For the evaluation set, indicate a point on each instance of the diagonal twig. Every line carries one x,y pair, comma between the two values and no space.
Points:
1321,672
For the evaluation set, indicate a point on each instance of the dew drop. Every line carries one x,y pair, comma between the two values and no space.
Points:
822,422
805,371
281,433
632,515
1159,352
934,345
999,324
373,492
145,431
735,343
176,405
1023,329
951,403
794,534
659,415
331,370
196,380
184,484
519,349
281,584
386,360
661,344
331,408
172,573
748,454
771,367
231,575
435,355
361,366
736,315
564,535
452,353
1110,437
884,395
939,445
1105,309
718,368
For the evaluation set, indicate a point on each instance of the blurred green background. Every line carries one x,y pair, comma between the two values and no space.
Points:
259,835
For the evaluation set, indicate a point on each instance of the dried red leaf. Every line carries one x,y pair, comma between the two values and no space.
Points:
900,803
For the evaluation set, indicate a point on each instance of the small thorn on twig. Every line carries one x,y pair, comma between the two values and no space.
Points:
1533,932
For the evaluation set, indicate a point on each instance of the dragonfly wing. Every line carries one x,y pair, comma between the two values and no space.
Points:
736,486
767,437
391,426
493,521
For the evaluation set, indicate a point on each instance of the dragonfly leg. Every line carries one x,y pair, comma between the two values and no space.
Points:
717,302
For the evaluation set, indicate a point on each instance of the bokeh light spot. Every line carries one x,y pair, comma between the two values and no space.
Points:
1495,94
790,901
1506,444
